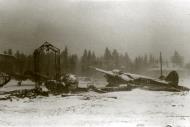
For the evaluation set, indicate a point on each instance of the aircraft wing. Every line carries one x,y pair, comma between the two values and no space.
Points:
111,74
104,71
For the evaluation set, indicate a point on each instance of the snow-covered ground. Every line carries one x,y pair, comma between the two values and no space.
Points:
13,85
136,108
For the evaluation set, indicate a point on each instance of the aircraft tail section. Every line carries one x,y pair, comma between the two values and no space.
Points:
173,78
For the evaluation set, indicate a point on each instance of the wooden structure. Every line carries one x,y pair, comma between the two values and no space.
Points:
46,47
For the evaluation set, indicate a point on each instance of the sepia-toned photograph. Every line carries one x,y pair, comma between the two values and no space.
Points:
94,63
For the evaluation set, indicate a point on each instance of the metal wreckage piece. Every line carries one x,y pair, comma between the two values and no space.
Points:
117,78
4,79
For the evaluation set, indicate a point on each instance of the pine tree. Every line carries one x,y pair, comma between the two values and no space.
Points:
89,58
145,60
93,58
10,52
73,59
5,52
128,62
64,60
177,59
107,59
115,58
84,61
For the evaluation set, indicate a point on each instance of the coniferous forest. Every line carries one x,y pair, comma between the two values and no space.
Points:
73,63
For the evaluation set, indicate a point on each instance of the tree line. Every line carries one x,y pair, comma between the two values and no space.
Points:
73,63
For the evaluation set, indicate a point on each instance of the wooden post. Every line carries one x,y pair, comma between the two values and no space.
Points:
161,73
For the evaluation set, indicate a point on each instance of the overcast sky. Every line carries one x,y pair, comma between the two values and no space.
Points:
135,26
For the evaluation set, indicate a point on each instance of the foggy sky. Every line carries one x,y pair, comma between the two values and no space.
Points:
134,26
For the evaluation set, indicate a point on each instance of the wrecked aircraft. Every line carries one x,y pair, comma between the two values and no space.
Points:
116,77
